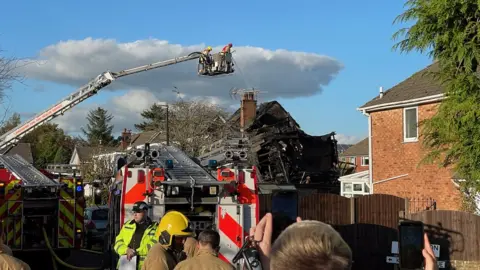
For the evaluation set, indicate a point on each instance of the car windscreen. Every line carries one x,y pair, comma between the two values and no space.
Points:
100,214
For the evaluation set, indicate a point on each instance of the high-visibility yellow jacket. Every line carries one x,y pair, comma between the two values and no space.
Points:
125,236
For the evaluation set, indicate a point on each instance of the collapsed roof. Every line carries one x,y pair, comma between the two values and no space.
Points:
281,151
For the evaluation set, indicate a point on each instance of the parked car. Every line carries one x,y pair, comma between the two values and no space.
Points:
96,221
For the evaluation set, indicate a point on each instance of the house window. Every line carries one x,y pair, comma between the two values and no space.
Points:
357,187
410,124
351,160
365,161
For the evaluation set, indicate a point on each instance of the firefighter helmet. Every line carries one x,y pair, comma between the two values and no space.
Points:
172,224
209,48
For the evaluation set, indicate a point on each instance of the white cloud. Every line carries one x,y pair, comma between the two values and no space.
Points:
278,73
125,109
347,139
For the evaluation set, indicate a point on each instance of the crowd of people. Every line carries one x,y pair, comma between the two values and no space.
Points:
306,244
171,245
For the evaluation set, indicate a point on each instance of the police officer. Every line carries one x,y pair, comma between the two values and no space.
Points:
137,236
172,232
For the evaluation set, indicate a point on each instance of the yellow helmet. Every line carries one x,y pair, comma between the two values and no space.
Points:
172,224
209,48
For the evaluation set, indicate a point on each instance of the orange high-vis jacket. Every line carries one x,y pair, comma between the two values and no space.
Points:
226,49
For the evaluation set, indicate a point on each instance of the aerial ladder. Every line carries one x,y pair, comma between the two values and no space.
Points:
39,201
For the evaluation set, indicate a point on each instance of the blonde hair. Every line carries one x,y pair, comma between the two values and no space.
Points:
310,244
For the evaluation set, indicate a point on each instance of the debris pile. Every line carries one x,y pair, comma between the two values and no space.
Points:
283,153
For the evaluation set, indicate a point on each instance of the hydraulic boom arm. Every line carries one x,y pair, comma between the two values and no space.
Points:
84,92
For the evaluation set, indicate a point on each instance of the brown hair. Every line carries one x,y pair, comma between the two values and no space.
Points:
310,245
209,237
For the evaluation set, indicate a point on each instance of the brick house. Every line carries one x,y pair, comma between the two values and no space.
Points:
396,143
357,156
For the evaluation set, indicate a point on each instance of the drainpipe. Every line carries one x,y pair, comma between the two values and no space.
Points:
370,160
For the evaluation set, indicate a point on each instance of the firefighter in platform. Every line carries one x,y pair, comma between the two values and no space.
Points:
227,48
172,232
206,257
137,236
227,57
205,60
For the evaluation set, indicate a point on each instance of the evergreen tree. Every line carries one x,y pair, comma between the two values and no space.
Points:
49,145
11,123
99,130
155,118
449,31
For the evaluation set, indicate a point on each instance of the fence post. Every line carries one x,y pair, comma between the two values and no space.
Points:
407,205
352,210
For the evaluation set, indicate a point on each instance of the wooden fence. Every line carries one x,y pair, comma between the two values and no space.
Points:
456,232
369,225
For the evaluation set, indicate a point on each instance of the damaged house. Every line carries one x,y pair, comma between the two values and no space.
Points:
270,139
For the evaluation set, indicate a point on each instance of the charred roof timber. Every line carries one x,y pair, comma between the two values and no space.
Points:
280,150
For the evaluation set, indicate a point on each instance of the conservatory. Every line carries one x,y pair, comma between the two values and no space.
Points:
355,184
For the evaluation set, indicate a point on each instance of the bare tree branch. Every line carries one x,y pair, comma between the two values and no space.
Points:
193,124
8,75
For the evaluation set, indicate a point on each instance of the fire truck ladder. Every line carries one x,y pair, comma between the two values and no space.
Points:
184,169
25,171
10,138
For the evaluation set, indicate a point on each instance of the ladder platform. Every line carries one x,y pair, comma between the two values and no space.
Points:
184,168
26,172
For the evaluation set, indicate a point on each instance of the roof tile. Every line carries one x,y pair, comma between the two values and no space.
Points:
419,85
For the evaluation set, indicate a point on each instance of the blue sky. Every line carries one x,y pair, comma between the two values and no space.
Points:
356,33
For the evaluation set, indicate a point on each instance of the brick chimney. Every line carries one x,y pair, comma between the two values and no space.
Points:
248,109
126,138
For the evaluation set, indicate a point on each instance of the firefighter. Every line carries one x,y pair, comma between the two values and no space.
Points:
172,232
227,48
137,236
206,257
190,247
7,261
206,60
227,57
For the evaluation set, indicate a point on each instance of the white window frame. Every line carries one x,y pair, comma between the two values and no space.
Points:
363,160
412,139
350,158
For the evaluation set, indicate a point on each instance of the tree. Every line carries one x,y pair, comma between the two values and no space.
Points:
8,73
10,123
155,118
194,124
99,130
450,32
50,145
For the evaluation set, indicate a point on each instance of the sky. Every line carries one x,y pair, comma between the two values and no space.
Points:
320,59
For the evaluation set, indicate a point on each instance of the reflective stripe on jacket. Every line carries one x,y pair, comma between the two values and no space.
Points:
125,236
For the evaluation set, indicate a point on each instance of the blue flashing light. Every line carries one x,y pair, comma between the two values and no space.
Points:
79,188
212,163
169,164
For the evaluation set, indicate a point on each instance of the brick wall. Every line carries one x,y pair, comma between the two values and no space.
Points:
392,157
358,163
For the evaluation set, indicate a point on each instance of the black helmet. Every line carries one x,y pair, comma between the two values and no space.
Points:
140,206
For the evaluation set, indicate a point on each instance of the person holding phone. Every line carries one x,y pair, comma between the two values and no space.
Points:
262,235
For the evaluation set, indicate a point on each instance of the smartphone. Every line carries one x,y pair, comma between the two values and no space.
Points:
410,244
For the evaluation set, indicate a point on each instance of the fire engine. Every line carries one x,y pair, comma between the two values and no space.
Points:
41,213
167,179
